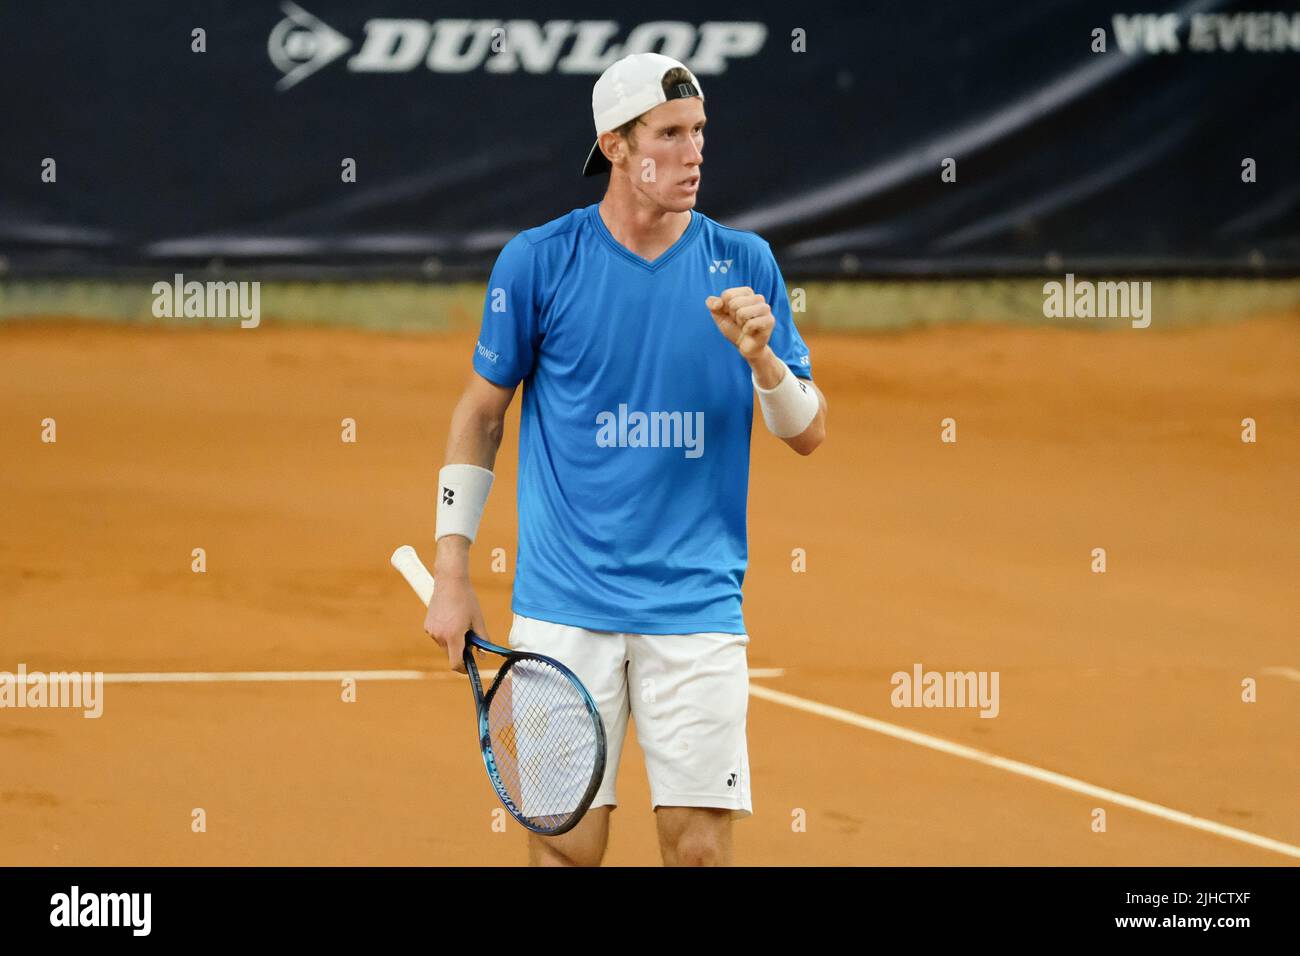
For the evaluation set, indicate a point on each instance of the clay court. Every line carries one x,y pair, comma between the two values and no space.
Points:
974,555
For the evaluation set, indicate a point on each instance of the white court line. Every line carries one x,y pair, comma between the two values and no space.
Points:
1290,673
1024,770
237,677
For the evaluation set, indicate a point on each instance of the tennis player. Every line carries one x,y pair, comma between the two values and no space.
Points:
640,330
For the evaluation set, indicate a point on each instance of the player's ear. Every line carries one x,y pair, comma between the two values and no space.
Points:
612,145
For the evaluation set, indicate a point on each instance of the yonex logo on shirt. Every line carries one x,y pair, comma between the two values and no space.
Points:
487,353
651,430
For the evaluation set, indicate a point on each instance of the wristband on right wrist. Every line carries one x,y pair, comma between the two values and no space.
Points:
789,406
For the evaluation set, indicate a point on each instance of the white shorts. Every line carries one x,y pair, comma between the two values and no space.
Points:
687,693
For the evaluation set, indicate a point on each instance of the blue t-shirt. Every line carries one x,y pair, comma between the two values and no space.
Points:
635,423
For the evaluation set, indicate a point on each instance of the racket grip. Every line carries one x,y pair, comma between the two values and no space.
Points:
412,568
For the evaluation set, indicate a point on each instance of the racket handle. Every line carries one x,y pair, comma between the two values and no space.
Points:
421,581
412,568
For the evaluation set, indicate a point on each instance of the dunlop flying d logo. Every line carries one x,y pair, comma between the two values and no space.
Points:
300,45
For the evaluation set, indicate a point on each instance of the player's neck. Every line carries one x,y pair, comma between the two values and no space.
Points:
643,228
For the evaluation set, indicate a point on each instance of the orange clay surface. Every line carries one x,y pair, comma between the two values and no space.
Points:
967,556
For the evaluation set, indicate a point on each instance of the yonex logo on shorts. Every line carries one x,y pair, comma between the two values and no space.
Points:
626,429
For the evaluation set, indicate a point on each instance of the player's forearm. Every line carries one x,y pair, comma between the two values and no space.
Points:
769,370
474,439
806,442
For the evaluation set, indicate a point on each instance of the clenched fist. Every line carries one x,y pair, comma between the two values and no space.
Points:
745,318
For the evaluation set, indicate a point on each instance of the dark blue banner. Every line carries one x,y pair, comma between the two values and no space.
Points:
967,136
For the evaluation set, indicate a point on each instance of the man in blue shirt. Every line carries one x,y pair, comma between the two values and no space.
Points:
640,329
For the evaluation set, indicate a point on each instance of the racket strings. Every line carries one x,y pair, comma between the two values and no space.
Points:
544,741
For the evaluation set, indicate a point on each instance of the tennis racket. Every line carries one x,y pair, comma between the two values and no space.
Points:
542,738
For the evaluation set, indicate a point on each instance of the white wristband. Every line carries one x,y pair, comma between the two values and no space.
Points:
462,493
788,407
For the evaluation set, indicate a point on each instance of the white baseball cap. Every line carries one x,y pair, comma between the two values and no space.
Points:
628,88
